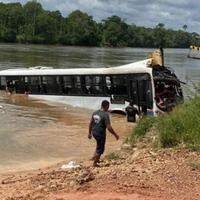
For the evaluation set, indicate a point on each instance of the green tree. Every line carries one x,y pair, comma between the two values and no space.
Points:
11,18
81,29
132,35
59,24
182,39
32,24
115,32
31,10
195,39
46,28
160,35
140,36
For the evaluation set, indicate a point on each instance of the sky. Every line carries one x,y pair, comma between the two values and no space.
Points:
173,13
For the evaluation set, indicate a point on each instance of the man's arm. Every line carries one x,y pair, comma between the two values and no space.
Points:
90,128
111,130
109,127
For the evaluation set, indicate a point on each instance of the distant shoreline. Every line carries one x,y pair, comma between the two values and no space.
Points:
77,46
31,23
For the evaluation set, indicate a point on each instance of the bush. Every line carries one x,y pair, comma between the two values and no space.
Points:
181,126
143,126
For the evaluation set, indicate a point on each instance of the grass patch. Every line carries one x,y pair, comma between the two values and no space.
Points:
194,165
182,126
113,156
143,126
194,147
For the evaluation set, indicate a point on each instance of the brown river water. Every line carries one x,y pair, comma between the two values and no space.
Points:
35,134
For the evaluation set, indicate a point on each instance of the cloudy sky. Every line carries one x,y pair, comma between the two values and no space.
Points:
173,13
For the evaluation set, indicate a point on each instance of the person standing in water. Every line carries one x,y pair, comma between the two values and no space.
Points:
131,112
100,121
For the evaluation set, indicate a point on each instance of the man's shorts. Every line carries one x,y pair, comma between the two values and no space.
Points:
101,140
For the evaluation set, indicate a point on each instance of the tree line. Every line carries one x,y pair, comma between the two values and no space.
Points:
30,23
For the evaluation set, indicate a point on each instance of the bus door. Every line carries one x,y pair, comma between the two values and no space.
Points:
140,91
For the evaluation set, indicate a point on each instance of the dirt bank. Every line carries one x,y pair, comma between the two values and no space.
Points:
129,174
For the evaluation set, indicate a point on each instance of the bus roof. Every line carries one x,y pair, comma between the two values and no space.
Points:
137,67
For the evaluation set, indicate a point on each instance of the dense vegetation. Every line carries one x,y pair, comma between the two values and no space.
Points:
178,127
30,23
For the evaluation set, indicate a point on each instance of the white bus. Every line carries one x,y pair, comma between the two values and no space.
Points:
146,86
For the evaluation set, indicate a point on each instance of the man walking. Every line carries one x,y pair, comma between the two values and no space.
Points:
99,122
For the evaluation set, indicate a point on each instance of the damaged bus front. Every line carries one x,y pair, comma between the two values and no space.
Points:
168,91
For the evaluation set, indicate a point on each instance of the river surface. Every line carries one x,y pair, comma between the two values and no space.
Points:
34,134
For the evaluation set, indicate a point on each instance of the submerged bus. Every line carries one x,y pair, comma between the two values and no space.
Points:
151,89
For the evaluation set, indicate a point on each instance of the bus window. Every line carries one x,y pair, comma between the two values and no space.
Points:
86,85
26,85
66,84
92,85
97,87
34,84
26,79
2,82
108,85
50,85
133,91
19,84
44,84
116,85
119,85
76,90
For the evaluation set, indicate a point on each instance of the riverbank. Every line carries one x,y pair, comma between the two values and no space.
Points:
131,173
137,171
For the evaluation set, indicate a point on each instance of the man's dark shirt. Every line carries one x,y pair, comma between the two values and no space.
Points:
100,120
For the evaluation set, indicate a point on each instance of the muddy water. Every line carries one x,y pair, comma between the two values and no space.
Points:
20,56
35,135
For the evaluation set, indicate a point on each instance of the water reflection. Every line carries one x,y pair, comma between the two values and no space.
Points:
19,56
